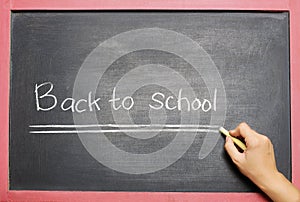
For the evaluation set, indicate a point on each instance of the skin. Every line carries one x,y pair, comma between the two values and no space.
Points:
258,163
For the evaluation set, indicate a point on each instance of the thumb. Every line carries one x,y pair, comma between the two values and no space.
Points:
233,152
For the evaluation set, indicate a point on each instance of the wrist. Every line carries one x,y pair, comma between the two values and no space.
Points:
278,188
269,181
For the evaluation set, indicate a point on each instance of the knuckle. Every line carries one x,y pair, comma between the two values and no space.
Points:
265,139
235,160
226,146
243,125
255,141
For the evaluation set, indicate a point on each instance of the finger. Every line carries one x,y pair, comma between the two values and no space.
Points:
242,130
234,154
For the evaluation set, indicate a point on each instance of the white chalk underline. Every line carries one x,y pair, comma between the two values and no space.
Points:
125,126
123,131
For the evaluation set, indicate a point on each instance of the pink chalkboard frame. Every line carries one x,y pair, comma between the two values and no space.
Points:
7,6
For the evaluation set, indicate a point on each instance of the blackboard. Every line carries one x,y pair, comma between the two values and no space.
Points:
131,100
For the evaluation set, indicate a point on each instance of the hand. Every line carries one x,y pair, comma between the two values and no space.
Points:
258,163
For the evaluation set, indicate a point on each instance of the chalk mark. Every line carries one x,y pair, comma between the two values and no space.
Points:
125,126
123,130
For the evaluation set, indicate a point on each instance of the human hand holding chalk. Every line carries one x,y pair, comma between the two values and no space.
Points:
259,164
238,142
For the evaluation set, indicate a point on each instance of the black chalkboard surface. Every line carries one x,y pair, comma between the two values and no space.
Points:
132,100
